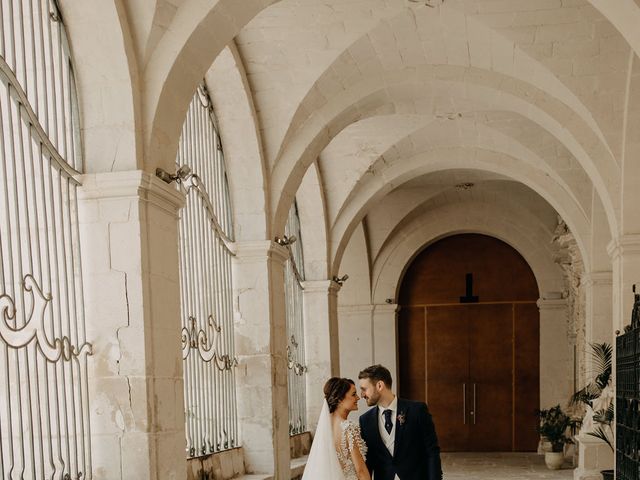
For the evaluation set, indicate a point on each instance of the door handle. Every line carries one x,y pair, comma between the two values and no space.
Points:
464,403
474,413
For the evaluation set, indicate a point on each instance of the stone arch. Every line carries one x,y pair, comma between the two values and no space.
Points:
492,219
465,53
236,117
450,134
313,223
197,34
453,158
315,135
625,16
108,90
536,85
630,221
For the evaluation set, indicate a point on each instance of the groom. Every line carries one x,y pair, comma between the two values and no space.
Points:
399,433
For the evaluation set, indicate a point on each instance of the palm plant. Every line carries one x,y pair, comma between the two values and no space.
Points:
597,394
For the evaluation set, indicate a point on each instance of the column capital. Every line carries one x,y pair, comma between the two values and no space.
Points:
321,286
624,245
370,308
131,184
253,251
551,304
363,308
590,279
385,308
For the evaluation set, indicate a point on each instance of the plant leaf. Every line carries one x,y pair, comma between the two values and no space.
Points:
602,355
602,435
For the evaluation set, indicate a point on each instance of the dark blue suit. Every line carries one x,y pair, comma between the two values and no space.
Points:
416,454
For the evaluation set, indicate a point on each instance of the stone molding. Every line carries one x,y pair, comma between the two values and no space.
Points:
131,184
321,286
380,308
383,308
624,245
594,456
350,309
254,251
602,278
552,304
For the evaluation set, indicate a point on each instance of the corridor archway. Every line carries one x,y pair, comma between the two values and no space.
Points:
469,342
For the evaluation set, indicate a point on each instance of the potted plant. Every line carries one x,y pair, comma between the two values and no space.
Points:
553,426
597,397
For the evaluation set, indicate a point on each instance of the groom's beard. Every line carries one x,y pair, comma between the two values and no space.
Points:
373,400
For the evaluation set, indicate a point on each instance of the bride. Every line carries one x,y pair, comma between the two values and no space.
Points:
338,451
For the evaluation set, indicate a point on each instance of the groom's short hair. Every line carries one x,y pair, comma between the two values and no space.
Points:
377,373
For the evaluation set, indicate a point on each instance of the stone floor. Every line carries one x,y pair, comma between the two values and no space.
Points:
500,466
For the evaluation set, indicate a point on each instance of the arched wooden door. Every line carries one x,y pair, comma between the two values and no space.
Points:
468,336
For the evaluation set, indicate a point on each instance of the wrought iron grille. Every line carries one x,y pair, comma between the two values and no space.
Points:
44,411
206,286
294,276
628,399
36,56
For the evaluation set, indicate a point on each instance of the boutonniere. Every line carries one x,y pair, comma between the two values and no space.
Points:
400,418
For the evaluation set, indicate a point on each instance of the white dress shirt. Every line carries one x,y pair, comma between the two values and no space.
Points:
389,439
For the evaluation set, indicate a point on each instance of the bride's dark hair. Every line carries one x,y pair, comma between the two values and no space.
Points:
335,390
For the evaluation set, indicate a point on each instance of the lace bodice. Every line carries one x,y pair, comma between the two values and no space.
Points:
350,438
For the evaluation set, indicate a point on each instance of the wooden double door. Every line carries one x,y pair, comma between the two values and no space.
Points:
480,372
468,343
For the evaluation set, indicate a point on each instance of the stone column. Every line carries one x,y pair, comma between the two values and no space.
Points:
356,339
261,347
593,456
368,335
321,341
556,353
129,238
598,289
385,338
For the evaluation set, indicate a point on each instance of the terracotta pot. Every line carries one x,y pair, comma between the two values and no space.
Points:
554,460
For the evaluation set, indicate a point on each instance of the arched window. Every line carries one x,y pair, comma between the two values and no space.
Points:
206,235
294,276
44,412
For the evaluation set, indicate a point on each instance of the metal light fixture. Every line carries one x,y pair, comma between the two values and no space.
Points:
286,241
182,174
340,280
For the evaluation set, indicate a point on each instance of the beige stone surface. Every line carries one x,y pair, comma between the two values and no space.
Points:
371,113
500,466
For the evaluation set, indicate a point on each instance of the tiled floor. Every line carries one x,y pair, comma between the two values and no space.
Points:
500,466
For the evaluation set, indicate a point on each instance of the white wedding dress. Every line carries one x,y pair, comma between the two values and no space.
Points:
325,463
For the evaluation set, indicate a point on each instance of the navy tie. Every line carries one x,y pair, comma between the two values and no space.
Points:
388,425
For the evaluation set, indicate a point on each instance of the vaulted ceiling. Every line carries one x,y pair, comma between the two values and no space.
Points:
393,103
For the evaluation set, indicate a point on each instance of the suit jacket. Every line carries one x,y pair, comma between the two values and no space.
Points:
416,454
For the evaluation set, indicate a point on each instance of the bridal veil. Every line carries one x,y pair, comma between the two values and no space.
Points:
323,461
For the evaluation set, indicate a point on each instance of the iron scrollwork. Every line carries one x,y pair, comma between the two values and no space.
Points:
33,329
292,363
204,342
207,448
